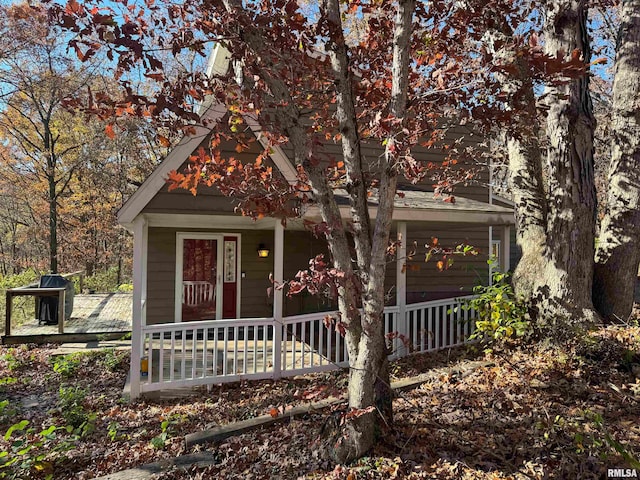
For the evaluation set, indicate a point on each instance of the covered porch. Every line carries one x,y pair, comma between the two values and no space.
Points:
268,336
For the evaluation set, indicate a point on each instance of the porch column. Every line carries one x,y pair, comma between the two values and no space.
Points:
278,295
140,241
505,248
490,251
401,288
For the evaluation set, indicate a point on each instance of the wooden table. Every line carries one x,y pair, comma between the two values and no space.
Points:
35,292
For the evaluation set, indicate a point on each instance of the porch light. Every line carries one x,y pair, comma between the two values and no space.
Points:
263,251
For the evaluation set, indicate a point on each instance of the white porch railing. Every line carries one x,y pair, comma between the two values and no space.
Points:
218,351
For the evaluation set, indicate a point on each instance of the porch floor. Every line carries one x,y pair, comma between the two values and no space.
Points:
92,313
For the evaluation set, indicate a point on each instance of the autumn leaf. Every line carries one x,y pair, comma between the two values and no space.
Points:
108,130
164,141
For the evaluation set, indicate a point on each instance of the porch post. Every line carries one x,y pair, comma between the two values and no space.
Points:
505,247
490,251
140,234
278,276
401,289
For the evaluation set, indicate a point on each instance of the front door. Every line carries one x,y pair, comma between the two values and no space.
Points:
206,271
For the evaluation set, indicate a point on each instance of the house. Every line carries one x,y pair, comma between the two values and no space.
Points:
201,309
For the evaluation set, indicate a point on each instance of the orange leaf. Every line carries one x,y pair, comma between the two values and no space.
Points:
108,130
164,141
273,412
440,265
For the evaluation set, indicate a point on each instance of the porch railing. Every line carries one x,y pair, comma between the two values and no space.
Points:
176,355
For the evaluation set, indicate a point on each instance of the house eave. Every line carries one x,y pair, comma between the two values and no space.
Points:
152,185
445,215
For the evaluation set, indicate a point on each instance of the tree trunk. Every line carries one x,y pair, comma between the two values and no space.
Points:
352,436
523,151
53,220
618,252
559,286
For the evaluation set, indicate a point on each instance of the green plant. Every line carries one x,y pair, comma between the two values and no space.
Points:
23,306
113,359
71,406
160,441
8,381
6,411
113,431
12,361
105,281
30,450
500,315
66,365
613,444
125,287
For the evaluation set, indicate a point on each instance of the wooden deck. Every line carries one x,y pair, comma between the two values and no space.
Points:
92,313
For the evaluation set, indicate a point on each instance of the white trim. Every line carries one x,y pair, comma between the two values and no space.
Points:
238,273
490,255
502,199
176,157
238,222
278,276
140,243
200,221
505,253
276,154
442,320
219,237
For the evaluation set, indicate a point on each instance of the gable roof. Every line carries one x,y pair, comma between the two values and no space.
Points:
218,64
415,205
152,185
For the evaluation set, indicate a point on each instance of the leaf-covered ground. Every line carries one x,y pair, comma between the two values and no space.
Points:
547,412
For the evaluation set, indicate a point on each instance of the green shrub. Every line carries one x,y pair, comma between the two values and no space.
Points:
23,306
106,282
500,315
71,406
66,365
114,359
31,450
21,279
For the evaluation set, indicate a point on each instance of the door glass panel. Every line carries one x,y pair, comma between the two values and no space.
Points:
199,269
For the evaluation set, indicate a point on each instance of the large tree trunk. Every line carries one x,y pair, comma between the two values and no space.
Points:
618,252
566,285
523,151
556,276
